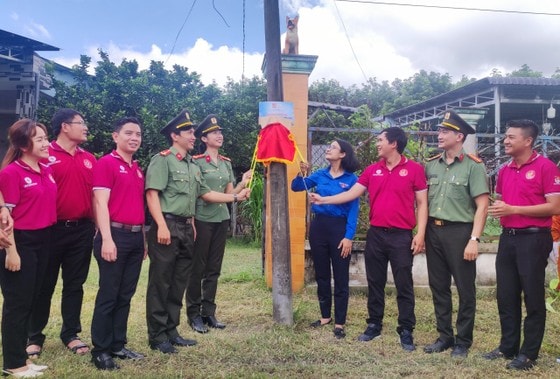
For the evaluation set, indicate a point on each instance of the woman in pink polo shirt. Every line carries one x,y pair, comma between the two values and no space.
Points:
29,191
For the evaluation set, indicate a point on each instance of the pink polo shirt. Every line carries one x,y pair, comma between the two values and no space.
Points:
126,183
32,195
392,193
529,184
74,178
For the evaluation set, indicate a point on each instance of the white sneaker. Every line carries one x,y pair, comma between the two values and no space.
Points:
38,368
29,373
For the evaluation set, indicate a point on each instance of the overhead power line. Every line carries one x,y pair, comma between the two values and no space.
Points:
350,43
180,30
374,2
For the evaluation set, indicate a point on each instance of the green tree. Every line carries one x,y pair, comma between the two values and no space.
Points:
526,72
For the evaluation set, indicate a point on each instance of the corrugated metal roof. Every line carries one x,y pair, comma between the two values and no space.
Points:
472,88
11,40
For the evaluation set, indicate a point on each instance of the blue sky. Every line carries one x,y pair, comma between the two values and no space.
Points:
354,40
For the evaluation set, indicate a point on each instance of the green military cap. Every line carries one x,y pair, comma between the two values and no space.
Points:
209,124
451,120
181,122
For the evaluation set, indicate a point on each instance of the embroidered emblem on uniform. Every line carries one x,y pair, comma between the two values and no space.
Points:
403,172
214,121
530,174
556,180
87,163
343,185
122,169
208,158
29,182
378,172
178,156
52,158
51,178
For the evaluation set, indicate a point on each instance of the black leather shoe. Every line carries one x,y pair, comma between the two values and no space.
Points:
372,331
438,346
164,347
180,341
521,362
495,354
339,333
212,322
104,361
459,351
198,325
125,353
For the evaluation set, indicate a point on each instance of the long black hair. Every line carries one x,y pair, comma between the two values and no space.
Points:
350,162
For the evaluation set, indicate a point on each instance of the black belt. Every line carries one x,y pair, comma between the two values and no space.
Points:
130,228
186,220
391,230
532,230
73,223
438,222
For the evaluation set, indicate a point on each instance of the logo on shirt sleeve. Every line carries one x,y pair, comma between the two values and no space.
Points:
557,180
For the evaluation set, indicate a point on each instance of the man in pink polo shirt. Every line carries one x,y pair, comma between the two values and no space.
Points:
72,169
118,247
528,192
396,186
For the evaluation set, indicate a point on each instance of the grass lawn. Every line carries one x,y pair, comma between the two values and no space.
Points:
253,346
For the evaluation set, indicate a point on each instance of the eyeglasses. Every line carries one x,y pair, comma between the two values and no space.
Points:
83,123
333,147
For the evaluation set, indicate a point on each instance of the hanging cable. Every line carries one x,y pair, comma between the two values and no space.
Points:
180,30
374,2
350,43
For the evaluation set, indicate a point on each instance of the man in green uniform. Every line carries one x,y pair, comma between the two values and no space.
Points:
173,183
457,206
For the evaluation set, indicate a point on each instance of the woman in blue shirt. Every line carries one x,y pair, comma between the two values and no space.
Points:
332,230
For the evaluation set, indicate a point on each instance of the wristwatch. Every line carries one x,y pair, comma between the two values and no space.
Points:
473,238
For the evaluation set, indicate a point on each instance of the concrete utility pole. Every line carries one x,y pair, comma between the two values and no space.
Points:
280,229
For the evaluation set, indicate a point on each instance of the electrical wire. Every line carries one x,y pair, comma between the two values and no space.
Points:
374,2
350,43
180,30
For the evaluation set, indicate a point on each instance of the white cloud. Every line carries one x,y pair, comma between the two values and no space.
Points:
37,31
14,16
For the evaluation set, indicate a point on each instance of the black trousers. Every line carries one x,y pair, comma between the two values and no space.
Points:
383,246
20,290
325,233
445,247
209,251
520,268
170,267
117,285
71,252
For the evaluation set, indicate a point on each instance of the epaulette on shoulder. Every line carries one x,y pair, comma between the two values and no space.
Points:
224,158
474,158
165,153
434,157
198,156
